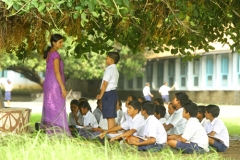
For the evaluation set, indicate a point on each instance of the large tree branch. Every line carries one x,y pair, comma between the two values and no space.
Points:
28,73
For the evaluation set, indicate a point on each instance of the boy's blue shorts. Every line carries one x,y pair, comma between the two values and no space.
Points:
219,146
151,147
189,148
109,102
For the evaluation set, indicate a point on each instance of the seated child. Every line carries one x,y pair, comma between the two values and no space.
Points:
141,99
158,101
194,137
159,113
178,122
201,115
129,98
75,116
171,110
218,136
120,113
97,112
89,120
154,133
133,126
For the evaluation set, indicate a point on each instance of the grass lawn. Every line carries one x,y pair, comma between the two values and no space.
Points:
41,147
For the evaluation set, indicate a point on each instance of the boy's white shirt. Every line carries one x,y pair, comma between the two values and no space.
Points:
178,122
146,91
89,118
204,122
111,76
162,120
221,131
136,123
8,87
194,132
120,116
164,90
154,128
72,121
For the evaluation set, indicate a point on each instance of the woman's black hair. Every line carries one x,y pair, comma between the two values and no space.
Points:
54,38
85,104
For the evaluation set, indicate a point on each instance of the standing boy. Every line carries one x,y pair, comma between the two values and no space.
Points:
133,125
108,92
194,137
177,122
154,133
164,91
218,136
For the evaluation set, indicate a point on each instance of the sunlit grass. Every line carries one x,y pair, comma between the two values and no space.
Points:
233,125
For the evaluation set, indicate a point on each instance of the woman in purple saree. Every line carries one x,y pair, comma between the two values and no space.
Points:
54,117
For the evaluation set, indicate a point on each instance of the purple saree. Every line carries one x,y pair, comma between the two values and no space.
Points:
54,117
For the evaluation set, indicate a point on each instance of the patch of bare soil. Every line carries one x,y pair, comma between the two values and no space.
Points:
233,151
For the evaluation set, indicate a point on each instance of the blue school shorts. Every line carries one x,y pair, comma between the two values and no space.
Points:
151,147
7,95
109,102
148,98
165,98
219,146
189,148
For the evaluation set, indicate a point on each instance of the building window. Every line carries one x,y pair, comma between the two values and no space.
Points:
130,83
160,71
224,70
183,73
196,67
139,82
171,72
3,73
149,72
209,70
121,82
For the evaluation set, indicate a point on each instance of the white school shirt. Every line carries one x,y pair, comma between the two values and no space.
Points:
194,132
136,123
178,122
89,118
154,128
8,87
170,131
120,116
164,90
221,131
204,122
162,120
111,76
146,91
103,123
72,121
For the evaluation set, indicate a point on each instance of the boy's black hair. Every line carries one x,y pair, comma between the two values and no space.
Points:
115,56
182,97
85,104
160,109
120,103
149,107
74,101
202,110
213,109
142,98
135,104
134,98
159,100
191,108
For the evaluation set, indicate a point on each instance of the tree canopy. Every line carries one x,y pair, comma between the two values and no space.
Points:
171,25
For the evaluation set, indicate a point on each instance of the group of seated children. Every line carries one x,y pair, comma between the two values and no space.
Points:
147,125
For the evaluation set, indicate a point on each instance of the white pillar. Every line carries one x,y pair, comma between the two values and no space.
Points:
165,72
190,77
202,76
231,70
217,78
177,73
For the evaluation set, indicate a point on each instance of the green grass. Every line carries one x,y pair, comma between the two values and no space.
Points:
233,125
41,147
